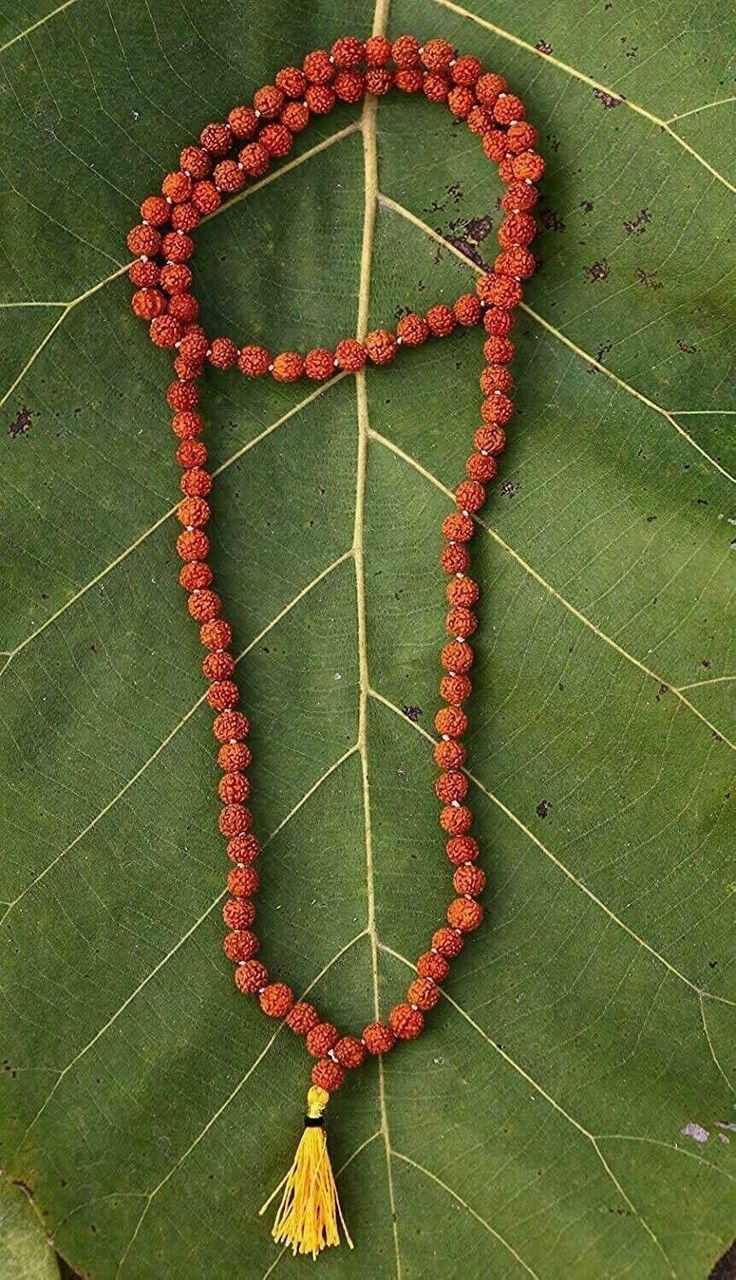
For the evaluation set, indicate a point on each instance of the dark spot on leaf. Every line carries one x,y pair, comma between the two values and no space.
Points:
466,234
598,271
412,713
543,808
712,964
21,424
553,141
687,348
663,688
550,220
603,351
632,52
509,489
650,519
609,100
635,226
586,206
647,278
706,663
456,191
543,46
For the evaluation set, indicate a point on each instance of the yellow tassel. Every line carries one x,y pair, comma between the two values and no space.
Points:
309,1212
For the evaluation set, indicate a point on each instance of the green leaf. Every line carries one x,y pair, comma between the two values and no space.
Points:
569,1112
24,1249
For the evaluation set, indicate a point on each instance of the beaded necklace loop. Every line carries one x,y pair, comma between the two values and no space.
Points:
229,155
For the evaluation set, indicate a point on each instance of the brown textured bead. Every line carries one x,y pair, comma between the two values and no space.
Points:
243,122
254,361
276,1000
470,495
218,666
195,575
381,346
432,965
350,355
479,467
441,320
378,1038
288,366
204,606
350,1052
242,881
457,658
251,977
405,1022
291,81
451,754
409,79
467,309
491,439
451,785
223,695
469,879
463,592
319,364
455,689
412,330
451,721
461,622
196,483
231,726
191,453
456,821
302,1018
436,87
241,944
405,51
461,101
243,848
321,1039
424,993
455,558
327,1074
232,755
233,788
448,942
458,527
192,544
320,99
235,820
437,54
216,635
464,914
238,913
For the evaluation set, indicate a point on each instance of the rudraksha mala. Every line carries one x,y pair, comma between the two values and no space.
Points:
229,155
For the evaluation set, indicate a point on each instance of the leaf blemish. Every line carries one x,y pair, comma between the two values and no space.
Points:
695,1131
412,713
635,226
647,278
21,424
543,808
609,100
598,271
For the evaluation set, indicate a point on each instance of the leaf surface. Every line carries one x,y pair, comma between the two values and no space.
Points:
569,1112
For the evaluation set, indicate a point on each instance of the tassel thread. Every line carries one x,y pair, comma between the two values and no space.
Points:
309,1214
